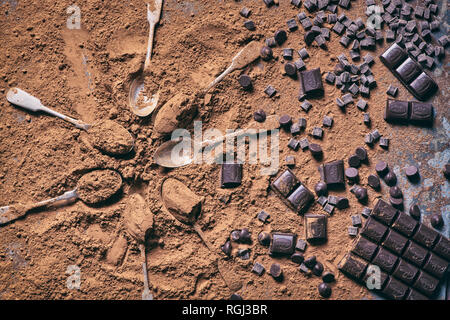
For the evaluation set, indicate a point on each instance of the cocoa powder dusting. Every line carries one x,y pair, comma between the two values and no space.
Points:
90,71
98,186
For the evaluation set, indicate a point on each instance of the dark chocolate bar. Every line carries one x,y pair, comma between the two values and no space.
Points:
415,112
409,72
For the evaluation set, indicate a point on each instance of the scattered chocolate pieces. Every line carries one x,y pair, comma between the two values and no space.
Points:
332,173
324,288
311,83
275,271
321,189
316,227
246,82
231,175
263,216
258,269
264,238
259,115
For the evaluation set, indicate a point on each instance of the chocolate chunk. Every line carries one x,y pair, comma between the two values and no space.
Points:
263,216
244,254
373,181
297,258
235,296
245,236
404,224
226,248
366,212
266,53
324,290
360,193
366,118
316,227
352,231
280,37
290,69
384,212
392,91
250,25
294,144
342,203
311,82
328,277
317,133
305,270
354,161
245,81
352,266
396,111
288,53
381,168
316,150
415,295
356,220
425,236
351,174
309,37
300,199
395,242
286,183
442,247
327,121
390,178
412,172
292,25
290,160
231,175
311,262
421,113
414,211
296,3
362,105
361,153
282,244
374,230
270,91
332,173
306,105
245,12
385,260
321,189
364,248
264,238
426,284
259,115
275,271
317,270
328,208
436,266
395,192
394,289
304,144
301,245
322,201
258,269
415,254
330,78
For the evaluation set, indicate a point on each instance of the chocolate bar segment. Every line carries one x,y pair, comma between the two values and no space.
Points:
374,230
301,198
395,242
395,289
385,260
332,173
396,111
425,236
409,70
442,247
286,183
415,253
364,248
370,279
405,272
353,266
436,266
384,212
423,87
405,224
426,284
421,113
415,295
393,56
282,243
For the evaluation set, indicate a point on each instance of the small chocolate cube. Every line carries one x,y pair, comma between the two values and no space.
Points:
316,227
282,243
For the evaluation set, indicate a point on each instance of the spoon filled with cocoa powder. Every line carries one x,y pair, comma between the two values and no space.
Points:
105,135
93,188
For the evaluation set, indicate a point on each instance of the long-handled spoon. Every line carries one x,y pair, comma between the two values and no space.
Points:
247,55
144,108
13,212
25,100
167,156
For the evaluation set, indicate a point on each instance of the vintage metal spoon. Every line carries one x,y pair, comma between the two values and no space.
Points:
169,154
145,107
247,55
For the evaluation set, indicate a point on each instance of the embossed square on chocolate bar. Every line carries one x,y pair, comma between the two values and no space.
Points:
332,173
404,224
374,230
385,260
352,266
415,253
384,212
396,111
285,183
282,243
395,242
316,227
394,289
364,248
436,266
424,86
426,284
405,272
442,247
301,198
393,56
421,113
425,236
311,82
409,70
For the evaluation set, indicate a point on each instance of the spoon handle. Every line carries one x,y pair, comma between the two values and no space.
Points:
67,196
27,101
144,267
208,143
148,57
220,78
